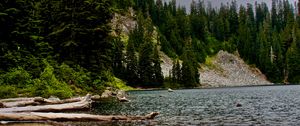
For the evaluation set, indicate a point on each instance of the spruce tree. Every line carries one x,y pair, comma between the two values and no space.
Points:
132,76
176,72
118,58
188,73
145,63
189,69
158,76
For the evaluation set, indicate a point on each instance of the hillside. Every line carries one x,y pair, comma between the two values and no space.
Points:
226,69
223,70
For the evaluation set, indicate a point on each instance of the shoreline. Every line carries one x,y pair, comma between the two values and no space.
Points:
264,85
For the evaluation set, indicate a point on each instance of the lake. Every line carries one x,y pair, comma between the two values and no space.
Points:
265,105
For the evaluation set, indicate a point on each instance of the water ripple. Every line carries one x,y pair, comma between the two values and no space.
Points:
271,105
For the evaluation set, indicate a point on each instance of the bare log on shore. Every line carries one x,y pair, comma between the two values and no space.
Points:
34,116
83,103
18,99
35,113
38,101
20,102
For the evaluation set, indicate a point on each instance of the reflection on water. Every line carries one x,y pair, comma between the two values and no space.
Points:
270,105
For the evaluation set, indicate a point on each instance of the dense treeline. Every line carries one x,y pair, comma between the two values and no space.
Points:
141,62
50,47
65,48
266,38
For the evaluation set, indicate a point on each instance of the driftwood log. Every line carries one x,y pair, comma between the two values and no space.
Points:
81,105
20,102
18,99
33,116
43,112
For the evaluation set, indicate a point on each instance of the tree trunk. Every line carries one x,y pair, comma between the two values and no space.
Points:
80,105
20,102
19,99
34,116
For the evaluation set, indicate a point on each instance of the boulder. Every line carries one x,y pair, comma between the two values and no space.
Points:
106,94
53,98
96,97
121,93
123,99
238,105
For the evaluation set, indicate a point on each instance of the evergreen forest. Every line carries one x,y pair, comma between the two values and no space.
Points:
64,47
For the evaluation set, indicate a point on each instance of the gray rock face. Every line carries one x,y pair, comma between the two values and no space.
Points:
230,70
224,70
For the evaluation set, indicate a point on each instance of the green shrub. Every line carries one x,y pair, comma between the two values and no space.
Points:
75,76
169,84
48,84
106,79
118,84
17,77
7,91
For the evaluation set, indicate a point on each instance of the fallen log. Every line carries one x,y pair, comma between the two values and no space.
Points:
41,101
18,99
19,104
49,101
80,105
34,116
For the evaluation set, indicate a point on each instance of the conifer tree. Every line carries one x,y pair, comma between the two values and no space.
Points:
132,76
118,58
176,72
188,73
233,18
189,69
158,76
145,63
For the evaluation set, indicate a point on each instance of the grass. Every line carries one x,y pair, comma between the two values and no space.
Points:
117,83
209,62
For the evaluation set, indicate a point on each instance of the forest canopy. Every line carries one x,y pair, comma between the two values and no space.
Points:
64,48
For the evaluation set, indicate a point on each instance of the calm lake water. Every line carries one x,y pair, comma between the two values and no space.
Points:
266,105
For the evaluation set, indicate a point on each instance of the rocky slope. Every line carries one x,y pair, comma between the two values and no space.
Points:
226,69
223,70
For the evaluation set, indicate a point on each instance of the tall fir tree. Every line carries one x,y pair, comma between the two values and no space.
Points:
132,76
158,76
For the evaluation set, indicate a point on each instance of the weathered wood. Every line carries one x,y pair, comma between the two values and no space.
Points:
18,99
48,101
123,99
83,104
34,116
41,101
19,104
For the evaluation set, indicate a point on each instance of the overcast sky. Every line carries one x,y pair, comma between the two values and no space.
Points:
217,3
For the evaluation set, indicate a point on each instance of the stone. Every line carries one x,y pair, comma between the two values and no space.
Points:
53,98
121,93
96,97
238,105
106,94
123,99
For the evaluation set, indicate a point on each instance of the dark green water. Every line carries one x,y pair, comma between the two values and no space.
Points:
270,105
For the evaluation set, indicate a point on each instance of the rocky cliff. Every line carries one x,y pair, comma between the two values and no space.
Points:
227,69
223,70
